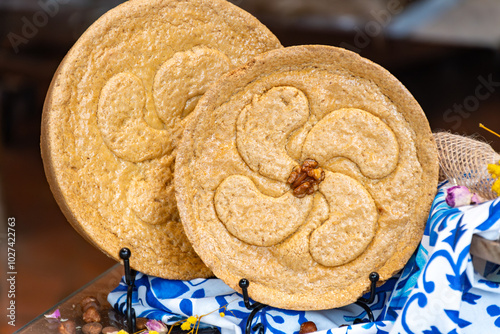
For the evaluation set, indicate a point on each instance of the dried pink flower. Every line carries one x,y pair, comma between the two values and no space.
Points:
155,325
54,315
460,196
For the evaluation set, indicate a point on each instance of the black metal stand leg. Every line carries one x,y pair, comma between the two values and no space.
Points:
363,302
255,307
130,280
368,311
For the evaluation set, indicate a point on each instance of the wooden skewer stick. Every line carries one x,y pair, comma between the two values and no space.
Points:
482,126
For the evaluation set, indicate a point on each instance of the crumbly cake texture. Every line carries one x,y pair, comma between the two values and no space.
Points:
255,125
115,111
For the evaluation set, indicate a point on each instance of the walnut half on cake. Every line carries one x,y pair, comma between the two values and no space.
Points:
339,128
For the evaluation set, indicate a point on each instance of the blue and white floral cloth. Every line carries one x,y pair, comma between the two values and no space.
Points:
438,291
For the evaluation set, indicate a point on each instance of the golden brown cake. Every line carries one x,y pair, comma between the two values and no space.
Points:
114,113
304,171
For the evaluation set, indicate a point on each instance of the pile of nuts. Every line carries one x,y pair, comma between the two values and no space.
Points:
305,179
91,316
95,317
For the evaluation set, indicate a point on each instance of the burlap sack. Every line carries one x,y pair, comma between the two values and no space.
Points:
464,161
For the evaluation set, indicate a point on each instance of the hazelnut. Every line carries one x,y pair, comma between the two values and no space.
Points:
92,328
140,323
67,327
307,327
91,315
89,299
110,329
91,304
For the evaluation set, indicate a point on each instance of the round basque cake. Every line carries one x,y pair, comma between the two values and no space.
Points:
304,171
114,114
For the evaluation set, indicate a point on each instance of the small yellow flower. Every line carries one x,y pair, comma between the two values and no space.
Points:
496,187
192,319
185,326
494,170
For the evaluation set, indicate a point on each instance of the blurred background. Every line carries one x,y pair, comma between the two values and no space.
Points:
446,52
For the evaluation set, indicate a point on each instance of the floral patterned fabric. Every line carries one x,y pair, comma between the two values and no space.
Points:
438,291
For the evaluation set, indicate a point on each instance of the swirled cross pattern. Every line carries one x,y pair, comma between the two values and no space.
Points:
178,85
342,218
